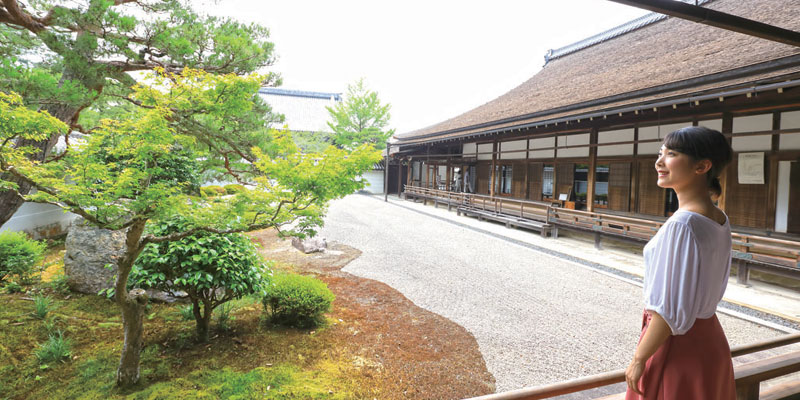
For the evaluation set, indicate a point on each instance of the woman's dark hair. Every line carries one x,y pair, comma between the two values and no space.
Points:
701,143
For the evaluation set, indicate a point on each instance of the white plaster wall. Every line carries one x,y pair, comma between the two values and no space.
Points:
511,146
573,140
540,144
752,123
656,132
622,135
790,141
715,124
39,220
374,181
782,208
485,148
469,149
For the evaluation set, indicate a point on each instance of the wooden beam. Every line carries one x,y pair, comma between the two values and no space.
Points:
494,167
717,19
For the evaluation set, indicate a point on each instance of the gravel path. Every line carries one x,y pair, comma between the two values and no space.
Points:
537,318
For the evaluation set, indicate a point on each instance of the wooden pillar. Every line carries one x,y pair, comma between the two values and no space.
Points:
555,168
386,175
633,205
727,128
399,177
410,171
494,167
527,191
592,170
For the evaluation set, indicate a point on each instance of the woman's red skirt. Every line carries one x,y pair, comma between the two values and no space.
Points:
693,366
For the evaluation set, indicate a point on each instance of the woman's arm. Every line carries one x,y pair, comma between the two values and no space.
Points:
657,333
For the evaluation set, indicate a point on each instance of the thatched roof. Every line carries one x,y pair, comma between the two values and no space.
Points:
658,60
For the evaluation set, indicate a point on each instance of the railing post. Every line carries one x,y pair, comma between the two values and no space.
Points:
748,392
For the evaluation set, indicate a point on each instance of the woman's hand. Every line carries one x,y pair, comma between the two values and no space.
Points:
632,375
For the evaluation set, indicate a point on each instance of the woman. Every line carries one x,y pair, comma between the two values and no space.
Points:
683,352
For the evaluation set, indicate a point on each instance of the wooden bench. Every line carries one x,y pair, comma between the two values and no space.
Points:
509,220
783,391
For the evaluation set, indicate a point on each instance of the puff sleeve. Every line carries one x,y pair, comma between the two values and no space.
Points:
671,285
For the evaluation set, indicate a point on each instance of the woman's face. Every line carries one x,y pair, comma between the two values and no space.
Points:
676,169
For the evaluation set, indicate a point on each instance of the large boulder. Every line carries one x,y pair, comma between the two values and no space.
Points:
88,250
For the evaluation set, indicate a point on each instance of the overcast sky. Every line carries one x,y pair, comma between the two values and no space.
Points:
431,60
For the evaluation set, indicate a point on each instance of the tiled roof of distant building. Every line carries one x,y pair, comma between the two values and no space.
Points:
300,93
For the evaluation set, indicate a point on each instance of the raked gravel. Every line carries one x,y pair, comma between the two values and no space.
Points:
537,318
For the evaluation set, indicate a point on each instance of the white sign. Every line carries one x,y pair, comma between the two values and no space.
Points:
751,168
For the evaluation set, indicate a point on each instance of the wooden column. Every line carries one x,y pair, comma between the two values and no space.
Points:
592,169
494,167
727,128
527,170
386,175
409,177
555,168
633,205
399,177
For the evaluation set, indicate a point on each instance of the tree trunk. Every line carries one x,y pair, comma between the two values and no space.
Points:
202,319
132,305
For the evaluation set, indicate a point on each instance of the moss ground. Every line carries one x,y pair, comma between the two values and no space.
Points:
349,358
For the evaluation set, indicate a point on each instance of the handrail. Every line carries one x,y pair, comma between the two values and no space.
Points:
610,378
745,246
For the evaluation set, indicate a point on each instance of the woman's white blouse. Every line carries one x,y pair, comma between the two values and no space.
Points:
687,264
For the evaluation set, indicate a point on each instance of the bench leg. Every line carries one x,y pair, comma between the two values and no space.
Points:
448,206
597,238
544,232
554,233
749,392
742,273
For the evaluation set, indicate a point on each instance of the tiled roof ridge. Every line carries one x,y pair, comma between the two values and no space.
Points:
617,31
300,93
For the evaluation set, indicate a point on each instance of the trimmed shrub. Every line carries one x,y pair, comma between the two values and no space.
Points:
297,301
211,268
18,256
234,188
212,191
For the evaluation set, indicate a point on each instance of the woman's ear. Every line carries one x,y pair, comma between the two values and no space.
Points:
703,166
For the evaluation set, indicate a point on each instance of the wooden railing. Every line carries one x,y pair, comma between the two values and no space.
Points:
748,376
750,248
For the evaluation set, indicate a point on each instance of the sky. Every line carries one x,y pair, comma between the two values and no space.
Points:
431,60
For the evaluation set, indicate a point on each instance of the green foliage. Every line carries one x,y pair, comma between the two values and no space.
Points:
41,306
224,317
360,118
277,382
56,348
19,255
312,142
12,287
213,190
186,312
234,188
58,284
297,300
211,268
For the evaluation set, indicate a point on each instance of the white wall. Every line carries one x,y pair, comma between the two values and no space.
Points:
302,113
657,132
39,220
485,148
511,146
782,208
374,180
622,135
573,140
790,141
542,143
752,123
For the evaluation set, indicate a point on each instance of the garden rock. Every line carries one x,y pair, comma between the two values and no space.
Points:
310,245
88,250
